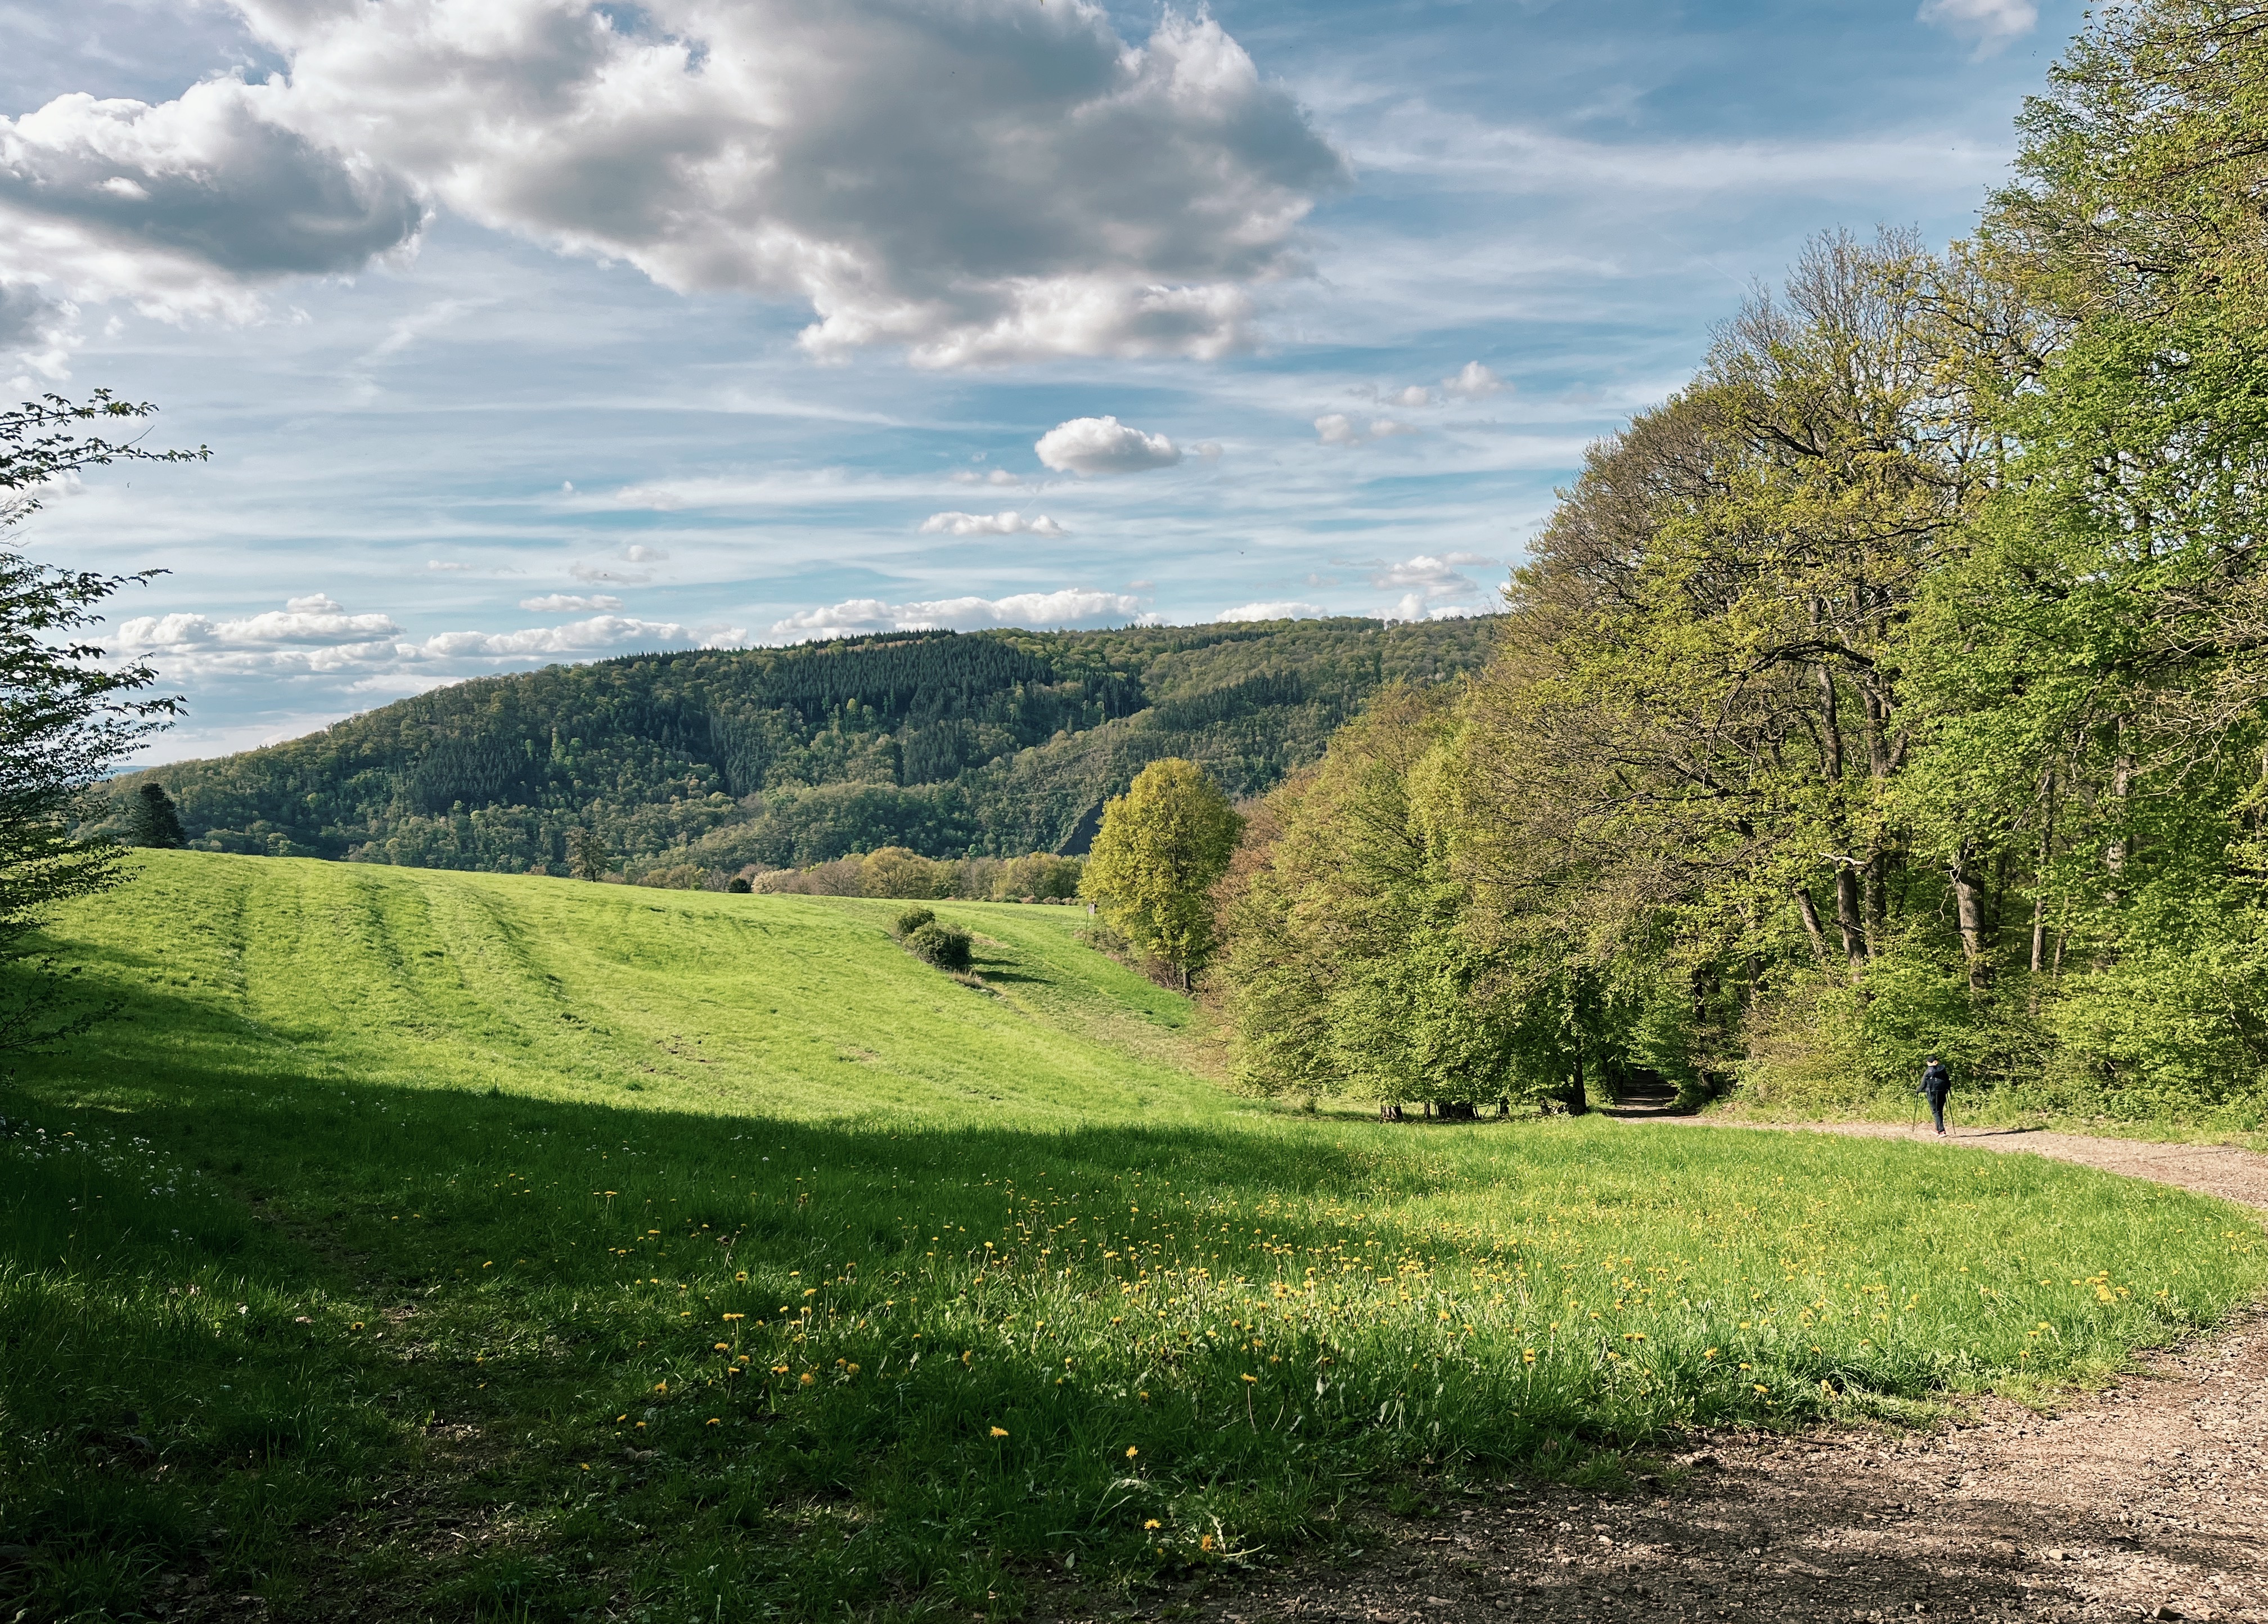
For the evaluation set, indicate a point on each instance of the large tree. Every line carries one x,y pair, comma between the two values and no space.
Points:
66,717
1161,846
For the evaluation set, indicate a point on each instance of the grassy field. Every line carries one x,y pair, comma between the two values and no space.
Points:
341,1270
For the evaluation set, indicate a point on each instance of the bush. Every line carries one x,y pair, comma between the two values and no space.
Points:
912,920
738,886
945,946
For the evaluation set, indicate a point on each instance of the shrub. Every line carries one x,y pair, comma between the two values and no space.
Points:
912,920
738,886
945,946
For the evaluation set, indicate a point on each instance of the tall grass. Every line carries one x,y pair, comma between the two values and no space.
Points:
490,1246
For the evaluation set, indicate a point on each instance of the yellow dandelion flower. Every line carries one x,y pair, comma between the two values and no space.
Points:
999,1432
1132,1451
1153,1523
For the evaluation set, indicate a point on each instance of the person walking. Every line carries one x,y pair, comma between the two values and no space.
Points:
1936,1083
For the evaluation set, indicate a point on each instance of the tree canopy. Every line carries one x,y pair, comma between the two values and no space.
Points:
1162,847
1901,682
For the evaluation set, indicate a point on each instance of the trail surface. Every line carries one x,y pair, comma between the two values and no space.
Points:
2147,1500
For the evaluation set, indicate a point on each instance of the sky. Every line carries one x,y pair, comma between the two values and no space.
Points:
530,330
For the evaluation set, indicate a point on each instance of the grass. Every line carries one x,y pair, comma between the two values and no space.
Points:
341,1270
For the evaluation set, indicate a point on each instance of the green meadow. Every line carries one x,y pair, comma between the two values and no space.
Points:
423,1244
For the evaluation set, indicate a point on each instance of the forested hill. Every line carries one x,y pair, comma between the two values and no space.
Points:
988,742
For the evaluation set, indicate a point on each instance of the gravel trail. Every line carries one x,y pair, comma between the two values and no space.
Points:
2147,1500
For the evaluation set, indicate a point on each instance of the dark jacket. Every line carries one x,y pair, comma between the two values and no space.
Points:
1936,1081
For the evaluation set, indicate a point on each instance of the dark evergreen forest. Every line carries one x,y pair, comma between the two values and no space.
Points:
985,743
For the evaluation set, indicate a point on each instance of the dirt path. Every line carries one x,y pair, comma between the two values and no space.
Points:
2149,1500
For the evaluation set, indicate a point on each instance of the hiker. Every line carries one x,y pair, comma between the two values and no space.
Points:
1936,1083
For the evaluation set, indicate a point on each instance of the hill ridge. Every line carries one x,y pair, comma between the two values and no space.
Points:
953,744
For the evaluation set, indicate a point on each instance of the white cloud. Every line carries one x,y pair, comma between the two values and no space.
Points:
639,552
440,563
183,208
991,524
1103,446
1988,23
1472,382
970,476
1287,611
981,182
314,636
1041,610
570,603
1416,394
1432,587
1338,429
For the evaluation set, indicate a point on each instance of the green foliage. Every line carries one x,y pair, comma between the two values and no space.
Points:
415,1189
912,920
65,717
1161,846
153,820
1902,683
995,743
738,886
946,946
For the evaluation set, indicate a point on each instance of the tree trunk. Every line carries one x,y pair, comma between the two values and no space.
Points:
1969,903
1579,1102
1809,911
2039,888
1848,918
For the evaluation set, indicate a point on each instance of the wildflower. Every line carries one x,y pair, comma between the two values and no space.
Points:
661,1387
808,1378
1205,1544
1132,1451
586,1466
742,1275
1708,1352
1250,1377
713,1421
722,1348
999,1432
1151,1522
1528,1357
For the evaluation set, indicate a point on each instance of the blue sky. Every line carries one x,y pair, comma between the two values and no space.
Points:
523,331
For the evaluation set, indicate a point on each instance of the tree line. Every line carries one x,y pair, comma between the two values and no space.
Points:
1897,685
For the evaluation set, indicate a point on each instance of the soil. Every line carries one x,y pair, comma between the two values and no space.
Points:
2148,1499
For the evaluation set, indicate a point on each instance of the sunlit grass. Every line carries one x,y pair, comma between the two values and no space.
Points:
789,1272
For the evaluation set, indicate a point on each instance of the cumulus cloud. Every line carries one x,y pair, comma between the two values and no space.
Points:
857,616
315,636
981,182
570,603
185,208
1286,611
1472,382
1093,445
1338,429
991,524
1432,587
1987,23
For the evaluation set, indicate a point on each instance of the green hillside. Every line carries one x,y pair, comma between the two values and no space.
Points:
416,1244
990,743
